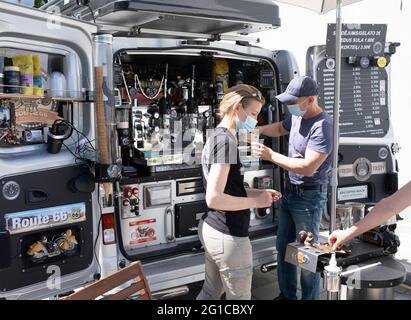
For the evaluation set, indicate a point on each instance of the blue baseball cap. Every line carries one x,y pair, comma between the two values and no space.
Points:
297,88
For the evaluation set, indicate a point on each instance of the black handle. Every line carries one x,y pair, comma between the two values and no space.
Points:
36,196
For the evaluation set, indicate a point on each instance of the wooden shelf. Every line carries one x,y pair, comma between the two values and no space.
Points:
17,96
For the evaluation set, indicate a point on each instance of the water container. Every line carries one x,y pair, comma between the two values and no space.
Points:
57,84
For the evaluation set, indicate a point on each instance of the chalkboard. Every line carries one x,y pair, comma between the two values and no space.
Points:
357,40
364,100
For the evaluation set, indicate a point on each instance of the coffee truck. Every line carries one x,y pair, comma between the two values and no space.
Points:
155,73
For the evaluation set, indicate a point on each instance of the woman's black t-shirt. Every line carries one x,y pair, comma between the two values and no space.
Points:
221,147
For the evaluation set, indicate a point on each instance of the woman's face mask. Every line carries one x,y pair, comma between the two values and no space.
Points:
248,124
295,109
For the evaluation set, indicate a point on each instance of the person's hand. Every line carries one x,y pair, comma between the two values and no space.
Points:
261,151
264,199
274,194
337,239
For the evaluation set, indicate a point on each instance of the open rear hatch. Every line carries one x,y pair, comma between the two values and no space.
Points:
214,17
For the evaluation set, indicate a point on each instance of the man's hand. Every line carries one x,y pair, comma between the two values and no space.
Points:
261,151
337,239
306,166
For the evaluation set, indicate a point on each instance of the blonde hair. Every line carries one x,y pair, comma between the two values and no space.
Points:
239,95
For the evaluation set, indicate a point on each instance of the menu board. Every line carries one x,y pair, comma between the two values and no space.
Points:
357,40
364,101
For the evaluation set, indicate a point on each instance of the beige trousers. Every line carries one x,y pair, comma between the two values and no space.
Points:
228,265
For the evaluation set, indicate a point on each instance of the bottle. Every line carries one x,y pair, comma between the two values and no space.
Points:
332,266
12,79
57,84
37,78
332,275
25,64
220,77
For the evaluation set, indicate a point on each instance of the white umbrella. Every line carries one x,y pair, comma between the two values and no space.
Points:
321,7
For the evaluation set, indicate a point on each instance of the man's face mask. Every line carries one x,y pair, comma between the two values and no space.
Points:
248,125
295,109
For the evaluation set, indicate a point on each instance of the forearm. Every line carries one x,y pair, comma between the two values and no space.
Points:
296,165
252,192
269,130
382,211
225,202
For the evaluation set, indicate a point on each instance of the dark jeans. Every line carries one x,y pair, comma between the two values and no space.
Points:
300,210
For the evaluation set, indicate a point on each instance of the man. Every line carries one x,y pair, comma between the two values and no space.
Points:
308,162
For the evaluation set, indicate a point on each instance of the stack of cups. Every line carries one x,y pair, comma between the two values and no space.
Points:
358,210
368,207
343,217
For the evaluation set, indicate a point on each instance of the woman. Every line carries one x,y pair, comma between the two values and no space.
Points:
382,211
223,230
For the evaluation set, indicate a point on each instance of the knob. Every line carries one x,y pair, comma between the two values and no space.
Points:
262,212
127,192
122,264
135,210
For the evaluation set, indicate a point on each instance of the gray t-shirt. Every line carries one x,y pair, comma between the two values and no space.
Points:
315,134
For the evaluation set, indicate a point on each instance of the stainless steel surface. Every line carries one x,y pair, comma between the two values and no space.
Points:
267,267
171,293
149,216
336,119
190,186
359,269
332,281
157,195
170,229
161,217
370,294
303,256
